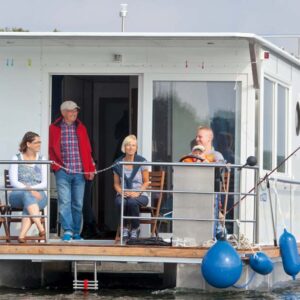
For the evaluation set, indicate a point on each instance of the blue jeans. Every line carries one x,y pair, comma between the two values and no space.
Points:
70,190
132,208
23,199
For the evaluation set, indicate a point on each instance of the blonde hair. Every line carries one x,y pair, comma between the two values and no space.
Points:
127,140
207,129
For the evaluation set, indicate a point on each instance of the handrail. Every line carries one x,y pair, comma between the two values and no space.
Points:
190,192
26,162
172,164
290,181
184,164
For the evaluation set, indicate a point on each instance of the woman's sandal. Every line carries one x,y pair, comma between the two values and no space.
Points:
42,233
21,240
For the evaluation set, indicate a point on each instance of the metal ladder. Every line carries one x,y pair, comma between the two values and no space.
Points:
85,284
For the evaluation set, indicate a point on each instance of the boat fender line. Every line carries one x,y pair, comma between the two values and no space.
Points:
243,286
261,263
221,266
289,254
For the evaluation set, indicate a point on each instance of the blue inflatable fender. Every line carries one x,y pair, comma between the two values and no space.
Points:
261,263
289,254
221,265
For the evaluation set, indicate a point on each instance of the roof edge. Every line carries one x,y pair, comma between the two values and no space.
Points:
235,35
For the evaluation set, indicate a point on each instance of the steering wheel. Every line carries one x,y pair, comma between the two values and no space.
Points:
190,156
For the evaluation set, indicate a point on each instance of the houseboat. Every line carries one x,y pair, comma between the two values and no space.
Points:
160,87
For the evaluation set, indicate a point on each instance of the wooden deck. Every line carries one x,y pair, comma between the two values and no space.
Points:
99,252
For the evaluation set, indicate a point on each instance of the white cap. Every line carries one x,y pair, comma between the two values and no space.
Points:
198,147
68,105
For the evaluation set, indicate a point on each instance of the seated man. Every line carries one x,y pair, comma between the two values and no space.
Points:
204,138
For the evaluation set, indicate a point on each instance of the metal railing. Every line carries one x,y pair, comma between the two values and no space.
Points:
238,194
47,189
282,180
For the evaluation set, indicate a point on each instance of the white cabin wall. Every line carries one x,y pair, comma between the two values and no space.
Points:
285,197
228,60
21,99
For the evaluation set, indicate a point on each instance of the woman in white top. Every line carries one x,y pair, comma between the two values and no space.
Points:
29,176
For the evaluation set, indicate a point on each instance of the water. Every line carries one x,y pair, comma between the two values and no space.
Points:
287,291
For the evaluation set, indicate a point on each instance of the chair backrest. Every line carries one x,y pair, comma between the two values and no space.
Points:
6,185
157,180
225,183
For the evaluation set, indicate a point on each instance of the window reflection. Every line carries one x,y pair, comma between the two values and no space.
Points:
274,125
281,126
268,122
180,107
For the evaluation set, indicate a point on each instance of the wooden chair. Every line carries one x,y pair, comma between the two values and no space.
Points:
225,187
157,180
3,221
13,211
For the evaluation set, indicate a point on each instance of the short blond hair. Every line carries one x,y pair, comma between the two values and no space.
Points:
206,128
127,140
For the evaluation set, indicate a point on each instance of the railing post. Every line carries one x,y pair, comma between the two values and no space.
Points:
256,215
122,207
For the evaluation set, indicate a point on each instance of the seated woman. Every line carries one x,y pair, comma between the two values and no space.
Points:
29,176
135,177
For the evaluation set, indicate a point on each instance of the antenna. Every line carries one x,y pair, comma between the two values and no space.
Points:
123,14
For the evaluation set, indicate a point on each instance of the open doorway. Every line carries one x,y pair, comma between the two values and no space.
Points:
108,108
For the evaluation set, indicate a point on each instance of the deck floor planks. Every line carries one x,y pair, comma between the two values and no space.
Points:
115,250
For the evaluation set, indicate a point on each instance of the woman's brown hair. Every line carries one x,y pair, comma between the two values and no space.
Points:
27,138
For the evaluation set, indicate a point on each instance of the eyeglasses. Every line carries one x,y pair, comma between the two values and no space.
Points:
37,142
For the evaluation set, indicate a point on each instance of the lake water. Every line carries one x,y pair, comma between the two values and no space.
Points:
288,291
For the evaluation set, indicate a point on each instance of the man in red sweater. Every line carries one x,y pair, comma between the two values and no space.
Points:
70,149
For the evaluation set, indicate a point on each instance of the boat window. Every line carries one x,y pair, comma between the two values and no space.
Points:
179,107
281,126
274,125
268,124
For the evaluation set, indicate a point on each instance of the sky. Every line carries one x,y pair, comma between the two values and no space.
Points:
253,16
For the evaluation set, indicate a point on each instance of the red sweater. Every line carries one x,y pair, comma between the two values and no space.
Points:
83,142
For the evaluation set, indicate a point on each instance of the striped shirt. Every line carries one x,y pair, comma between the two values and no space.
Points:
69,148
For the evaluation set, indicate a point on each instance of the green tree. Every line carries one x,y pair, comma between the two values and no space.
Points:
13,29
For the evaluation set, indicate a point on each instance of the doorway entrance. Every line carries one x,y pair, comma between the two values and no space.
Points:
108,108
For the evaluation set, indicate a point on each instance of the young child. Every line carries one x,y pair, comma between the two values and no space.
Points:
198,155
195,155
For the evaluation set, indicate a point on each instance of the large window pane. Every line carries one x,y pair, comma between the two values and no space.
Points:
281,126
180,107
268,123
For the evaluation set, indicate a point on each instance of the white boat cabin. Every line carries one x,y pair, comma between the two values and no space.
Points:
161,87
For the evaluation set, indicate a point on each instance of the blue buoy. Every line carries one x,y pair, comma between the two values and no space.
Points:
221,265
261,263
289,254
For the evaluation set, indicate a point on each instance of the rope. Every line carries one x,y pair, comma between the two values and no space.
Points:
279,205
242,244
84,173
263,179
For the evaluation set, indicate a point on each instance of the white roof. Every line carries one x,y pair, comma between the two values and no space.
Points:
60,37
